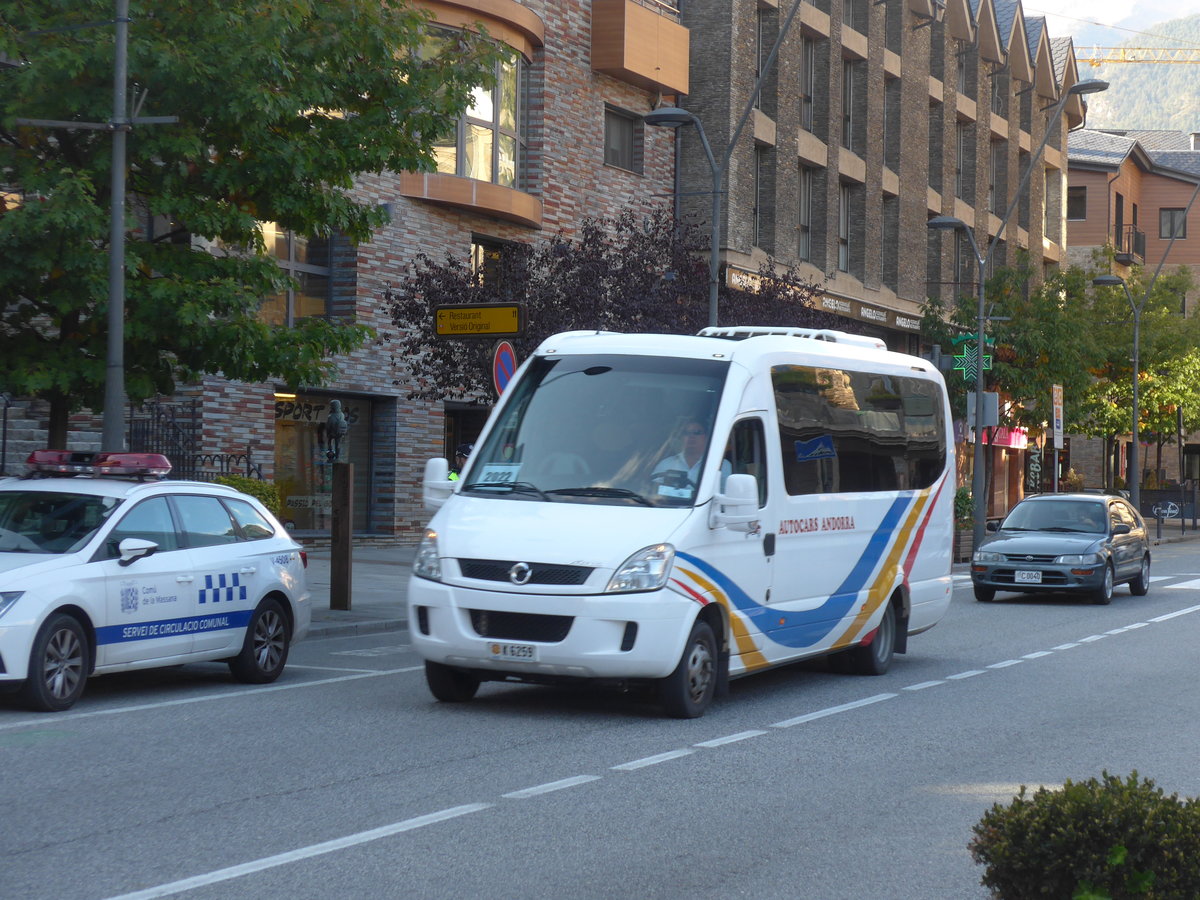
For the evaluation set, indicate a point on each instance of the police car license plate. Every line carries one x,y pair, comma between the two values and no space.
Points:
1023,577
515,652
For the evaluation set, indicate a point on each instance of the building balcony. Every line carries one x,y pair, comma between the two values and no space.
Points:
468,194
642,43
1129,245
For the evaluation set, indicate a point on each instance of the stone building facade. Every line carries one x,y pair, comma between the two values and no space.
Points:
873,118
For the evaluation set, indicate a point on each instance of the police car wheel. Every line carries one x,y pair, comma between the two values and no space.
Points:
58,665
448,684
265,650
687,692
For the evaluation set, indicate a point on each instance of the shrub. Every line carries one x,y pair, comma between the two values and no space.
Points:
964,506
265,491
1072,481
1100,839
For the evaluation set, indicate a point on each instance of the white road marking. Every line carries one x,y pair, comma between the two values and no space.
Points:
1037,654
291,856
1092,637
832,710
653,760
1180,612
1066,646
922,685
549,786
224,695
1184,585
970,673
328,668
1005,664
731,738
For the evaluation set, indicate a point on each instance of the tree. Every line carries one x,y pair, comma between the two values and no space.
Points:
281,106
630,273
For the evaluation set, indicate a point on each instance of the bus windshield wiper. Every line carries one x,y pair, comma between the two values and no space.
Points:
598,491
508,487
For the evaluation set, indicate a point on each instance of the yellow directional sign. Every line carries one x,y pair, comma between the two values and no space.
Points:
478,320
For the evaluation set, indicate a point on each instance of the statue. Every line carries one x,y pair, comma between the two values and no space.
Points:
336,427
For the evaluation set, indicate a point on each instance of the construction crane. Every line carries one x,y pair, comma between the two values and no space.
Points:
1099,56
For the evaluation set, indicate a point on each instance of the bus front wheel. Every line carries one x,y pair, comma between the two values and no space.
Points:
687,692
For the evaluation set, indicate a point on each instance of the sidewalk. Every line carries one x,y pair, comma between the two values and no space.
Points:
378,589
381,571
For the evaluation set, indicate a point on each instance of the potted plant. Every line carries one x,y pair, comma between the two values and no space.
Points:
964,521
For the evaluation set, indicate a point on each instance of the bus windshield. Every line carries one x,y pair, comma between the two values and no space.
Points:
602,428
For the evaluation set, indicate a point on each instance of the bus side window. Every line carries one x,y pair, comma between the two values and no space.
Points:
747,454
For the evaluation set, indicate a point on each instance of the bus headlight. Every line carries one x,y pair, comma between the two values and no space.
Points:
646,570
426,563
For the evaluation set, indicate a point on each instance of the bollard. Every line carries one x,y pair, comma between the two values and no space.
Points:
340,531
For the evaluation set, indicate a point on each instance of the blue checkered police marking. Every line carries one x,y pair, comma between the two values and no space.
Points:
222,587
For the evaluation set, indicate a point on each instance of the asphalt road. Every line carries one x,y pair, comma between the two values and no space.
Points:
345,779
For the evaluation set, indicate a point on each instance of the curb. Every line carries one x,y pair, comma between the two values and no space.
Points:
351,629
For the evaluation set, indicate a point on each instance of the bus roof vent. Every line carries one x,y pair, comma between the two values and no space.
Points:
741,332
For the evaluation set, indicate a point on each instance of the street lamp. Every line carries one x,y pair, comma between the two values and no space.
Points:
1135,472
951,223
674,117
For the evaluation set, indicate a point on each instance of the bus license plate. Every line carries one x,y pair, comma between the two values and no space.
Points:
515,652
1029,577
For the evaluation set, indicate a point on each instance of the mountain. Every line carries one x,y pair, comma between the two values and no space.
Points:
1149,95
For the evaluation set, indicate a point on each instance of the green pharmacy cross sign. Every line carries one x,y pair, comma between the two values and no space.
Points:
968,362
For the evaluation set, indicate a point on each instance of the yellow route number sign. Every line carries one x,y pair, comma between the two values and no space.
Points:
488,320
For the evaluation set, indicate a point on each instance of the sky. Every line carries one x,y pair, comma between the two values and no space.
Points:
1106,23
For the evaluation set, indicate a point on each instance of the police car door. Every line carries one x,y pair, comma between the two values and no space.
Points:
225,578
150,602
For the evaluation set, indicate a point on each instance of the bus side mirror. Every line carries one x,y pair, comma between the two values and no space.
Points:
436,485
737,508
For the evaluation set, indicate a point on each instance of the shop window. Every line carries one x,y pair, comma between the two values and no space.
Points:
306,452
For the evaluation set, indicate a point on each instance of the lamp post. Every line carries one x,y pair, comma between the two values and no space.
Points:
674,117
1135,472
951,223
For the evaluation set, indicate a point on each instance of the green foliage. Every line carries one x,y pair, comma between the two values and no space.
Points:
265,491
1107,838
630,273
964,506
281,106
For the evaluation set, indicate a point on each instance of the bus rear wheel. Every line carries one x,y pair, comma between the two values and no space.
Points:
874,658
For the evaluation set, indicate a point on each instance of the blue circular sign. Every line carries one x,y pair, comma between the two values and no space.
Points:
504,365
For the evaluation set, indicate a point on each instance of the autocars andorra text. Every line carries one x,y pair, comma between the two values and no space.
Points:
106,567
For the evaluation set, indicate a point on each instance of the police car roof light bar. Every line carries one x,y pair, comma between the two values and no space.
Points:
67,462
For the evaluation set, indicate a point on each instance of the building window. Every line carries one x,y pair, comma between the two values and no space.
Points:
844,228
1172,223
1077,203
307,262
848,104
804,225
760,50
999,92
997,181
487,257
622,140
808,80
488,142
962,159
760,163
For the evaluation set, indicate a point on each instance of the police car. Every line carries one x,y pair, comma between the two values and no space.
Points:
105,567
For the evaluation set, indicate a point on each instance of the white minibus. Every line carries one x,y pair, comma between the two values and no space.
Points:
680,510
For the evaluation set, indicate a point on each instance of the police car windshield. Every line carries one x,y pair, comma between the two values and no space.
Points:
50,522
603,429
